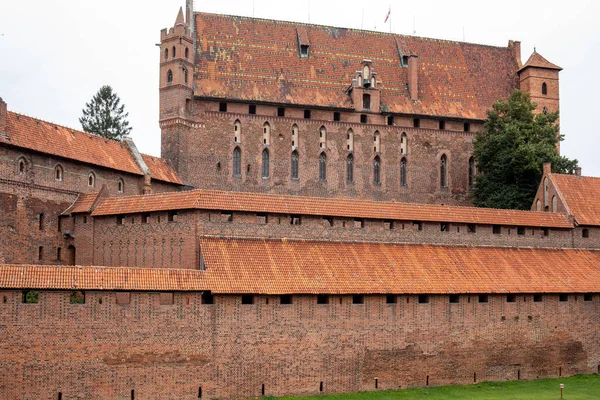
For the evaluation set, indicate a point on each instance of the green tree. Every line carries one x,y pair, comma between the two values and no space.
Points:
510,151
105,116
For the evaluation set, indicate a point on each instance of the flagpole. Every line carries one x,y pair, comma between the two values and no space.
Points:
390,11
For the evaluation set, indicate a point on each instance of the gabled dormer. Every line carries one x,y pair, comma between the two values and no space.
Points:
365,89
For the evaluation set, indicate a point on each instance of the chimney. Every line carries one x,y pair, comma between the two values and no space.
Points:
578,172
515,47
3,113
547,168
413,78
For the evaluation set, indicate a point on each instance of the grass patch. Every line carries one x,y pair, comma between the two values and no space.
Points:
578,387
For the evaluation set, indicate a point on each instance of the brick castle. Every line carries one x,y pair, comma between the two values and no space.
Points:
307,231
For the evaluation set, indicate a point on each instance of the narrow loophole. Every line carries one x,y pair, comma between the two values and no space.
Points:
59,396
427,381
200,392
262,390
518,374
321,384
474,377
132,394
559,371
376,383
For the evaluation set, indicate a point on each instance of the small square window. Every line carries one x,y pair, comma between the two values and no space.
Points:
391,299
295,220
358,299
444,227
416,123
363,118
471,228
537,298
520,230
281,112
145,218
497,229
223,107
306,114
285,299
483,298
587,297
252,109
247,299
585,233
390,120
419,225
511,298
30,296
563,297
442,125
172,216
454,298
303,50
545,231
423,299
467,127
322,299
207,298
336,116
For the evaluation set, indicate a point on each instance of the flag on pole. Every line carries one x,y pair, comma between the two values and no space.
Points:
388,15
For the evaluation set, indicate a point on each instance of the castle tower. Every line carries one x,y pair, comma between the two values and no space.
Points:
539,78
176,83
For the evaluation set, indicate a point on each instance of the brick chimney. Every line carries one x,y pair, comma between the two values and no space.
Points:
547,168
413,78
3,113
578,172
515,47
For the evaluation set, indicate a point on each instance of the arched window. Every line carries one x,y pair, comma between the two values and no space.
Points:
538,205
366,72
376,142
266,134
265,163
185,75
295,137
237,162
120,186
21,166
554,204
377,171
169,76
472,172
322,138
58,173
350,140
91,179
323,167
403,180
544,88
174,52
546,193
166,54
403,143
294,164
237,132
349,168
187,53
443,171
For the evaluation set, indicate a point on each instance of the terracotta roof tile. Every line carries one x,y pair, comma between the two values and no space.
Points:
536,60
281,204
83,204
581,194
285,266
46,137
161,170
257,60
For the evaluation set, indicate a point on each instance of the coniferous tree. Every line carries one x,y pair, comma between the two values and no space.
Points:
105,116
510,152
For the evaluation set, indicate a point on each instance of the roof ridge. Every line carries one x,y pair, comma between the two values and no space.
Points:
390,34
88,267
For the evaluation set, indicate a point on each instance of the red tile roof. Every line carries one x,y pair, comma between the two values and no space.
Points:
304,267
161,170
581,194
536,60
83,204
258,60
281,204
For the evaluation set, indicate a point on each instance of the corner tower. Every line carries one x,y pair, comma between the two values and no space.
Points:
176,83
539,78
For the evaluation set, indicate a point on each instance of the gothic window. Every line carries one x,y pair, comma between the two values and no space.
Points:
121,186
187,53
443,171
322,138
58,173
266,134
169,76
367,101
265,163
237,162
403,180
376,142
538,205
185,75
295,141
349,168
472,172
403,143
350,140
554,204
166,54
545,194
91,179
21,166
377,171
174,52
237,131
294,164
544,88
323,167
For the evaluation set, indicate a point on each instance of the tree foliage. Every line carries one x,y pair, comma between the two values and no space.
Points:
105,116
510,151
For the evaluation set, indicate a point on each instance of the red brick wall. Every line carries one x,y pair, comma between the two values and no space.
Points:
105,350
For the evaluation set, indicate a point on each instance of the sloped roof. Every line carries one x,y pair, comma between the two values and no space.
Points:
254,59
83,204
581,194
305,267
161,170
536,60
50,138
281,204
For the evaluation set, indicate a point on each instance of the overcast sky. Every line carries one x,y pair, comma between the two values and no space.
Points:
55,55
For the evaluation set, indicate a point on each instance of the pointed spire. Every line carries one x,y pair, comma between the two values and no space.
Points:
180,20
